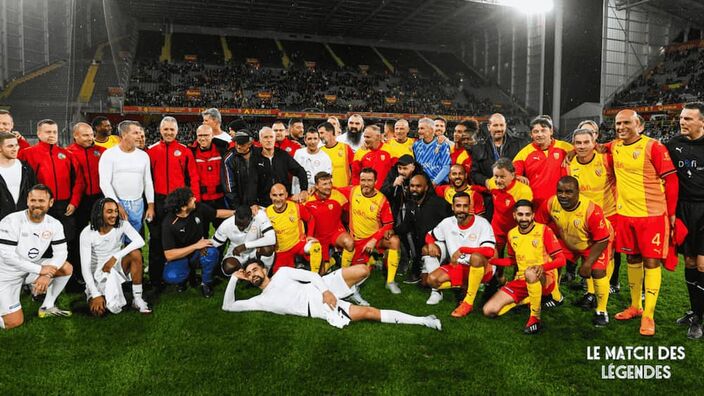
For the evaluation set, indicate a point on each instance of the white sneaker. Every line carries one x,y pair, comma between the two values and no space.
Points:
141,306
433,322
358,300
53,312
393,288
435,298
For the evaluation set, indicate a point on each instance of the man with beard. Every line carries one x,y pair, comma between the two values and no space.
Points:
282,141
103,133
373,155
424,210
465,139
16,177
235,169
249,236
353,136
459,183
400,144
302,293
434,157
395,187
537,254
439,128
103,257
25,237
466,242
326,206
341,155
296,131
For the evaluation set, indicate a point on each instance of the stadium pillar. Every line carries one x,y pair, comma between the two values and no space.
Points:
542,63
557,66
3,16
20,37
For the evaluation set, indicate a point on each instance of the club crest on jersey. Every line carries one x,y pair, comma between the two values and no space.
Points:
96,153
46,234
598,171
383,157
636,154
556,155
508,202
372,208
534,243
177,153
576,222
329,206
340,154
288,149
292,219
61,156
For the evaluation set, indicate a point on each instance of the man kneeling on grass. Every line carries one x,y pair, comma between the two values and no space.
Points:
304,293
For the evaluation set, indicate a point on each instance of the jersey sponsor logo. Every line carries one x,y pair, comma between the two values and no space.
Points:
177,153
679,149
61,156
33,253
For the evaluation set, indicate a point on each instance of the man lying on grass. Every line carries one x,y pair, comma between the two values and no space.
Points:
304,293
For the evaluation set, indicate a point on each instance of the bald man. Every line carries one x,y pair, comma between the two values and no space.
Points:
646,200
87,156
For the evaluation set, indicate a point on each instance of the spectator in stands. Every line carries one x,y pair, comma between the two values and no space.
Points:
103,133
7,124
432,155
16,177
282,141
296,131
173,167
213,119
271,165
236,170
353,136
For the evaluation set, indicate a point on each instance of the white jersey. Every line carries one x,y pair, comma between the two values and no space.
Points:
344,138
312,163
23,243
12,176
259,233
292,291
96,249
479,233
224,136
126,176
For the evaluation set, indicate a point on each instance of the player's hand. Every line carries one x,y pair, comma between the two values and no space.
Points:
311,190
455,256
302,196
329,299
17,135
41,284
148,215
70,209
97,305
48,270
388,234
673,220
399,180
523,180
239,274
585,271
568,158
370,245
601,148
239,249
109,264
202,244
255,209
433,250
537,270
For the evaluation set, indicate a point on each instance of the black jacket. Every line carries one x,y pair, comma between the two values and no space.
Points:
235,179
398,195
483,157
7,203
264,173
420,219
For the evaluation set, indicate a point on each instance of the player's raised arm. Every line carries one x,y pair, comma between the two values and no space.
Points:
229,302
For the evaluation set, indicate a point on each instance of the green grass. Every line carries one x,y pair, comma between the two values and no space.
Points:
190,346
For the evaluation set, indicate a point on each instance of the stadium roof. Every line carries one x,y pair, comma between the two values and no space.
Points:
413,21
687,10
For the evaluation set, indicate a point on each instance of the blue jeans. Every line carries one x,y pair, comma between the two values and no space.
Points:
135,212
177,271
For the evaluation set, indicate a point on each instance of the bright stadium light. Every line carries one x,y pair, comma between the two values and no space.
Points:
524,6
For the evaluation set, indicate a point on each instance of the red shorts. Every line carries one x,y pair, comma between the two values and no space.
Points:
459,274
518,289
601,262
647,236
325,243
287,258
360,256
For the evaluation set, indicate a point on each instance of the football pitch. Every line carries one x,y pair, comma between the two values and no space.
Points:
190,346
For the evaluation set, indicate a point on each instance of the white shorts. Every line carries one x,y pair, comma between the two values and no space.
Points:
99,278
337,285
10,293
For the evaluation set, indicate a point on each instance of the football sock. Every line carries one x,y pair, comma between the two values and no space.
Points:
346,258
506,308
2,323
445,285
601,288
635,283
397,317
475,279
54,289
316,257
699,306
392,265
590,285
556,294
610,268
137,291
691,277
653,277
535,290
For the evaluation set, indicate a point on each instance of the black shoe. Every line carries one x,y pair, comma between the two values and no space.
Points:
207,290
549,302
615,289
687,319
601,319
182,287
695,331
587,302
411,278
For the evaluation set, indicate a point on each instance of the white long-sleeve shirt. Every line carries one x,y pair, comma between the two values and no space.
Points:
259,233
23,243
125,176
96,249
290,292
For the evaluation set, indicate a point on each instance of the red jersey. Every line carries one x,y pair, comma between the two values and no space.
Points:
56,168
173,166
462,157
208,163
87,159
327,214
476,201
543,168
502,221
378,159
289,146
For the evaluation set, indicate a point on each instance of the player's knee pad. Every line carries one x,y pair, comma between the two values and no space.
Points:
176,271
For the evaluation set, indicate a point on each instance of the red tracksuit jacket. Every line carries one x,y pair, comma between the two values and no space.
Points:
173,166
56,168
